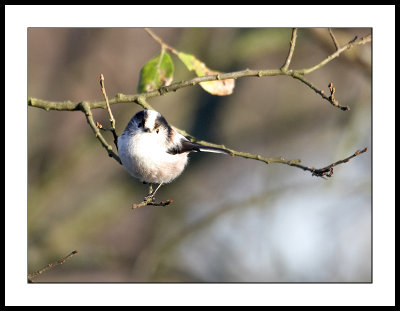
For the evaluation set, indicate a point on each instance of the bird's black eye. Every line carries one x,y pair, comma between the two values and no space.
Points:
157,130
140,124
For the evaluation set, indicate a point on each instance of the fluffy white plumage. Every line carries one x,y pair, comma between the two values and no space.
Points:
152,151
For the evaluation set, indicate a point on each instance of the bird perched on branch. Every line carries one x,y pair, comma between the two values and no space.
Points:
153,151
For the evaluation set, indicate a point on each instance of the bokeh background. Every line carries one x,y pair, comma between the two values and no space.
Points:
233,219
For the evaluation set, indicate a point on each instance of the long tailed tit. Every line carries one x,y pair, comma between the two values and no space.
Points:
154,152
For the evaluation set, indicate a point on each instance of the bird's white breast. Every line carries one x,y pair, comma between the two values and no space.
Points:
144,157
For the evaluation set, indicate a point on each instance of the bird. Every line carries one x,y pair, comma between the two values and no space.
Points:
154,152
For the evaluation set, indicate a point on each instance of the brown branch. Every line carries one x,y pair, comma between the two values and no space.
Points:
161,42
328,170
330,98
149,200
31,276
349,45
334,39
285,66
325,171
85,108
112,120
103,91
121,98
151,203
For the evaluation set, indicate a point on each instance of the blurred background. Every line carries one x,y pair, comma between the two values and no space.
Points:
232,219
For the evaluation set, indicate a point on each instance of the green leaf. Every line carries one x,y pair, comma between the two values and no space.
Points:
220,87
156,73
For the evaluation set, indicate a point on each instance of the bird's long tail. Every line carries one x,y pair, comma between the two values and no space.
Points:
203,148
188,146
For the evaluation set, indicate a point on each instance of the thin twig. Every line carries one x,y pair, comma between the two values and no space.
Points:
103,91
328,170
330,98
150,202
161,42
112,120
334,39
285,66
85,108
349,45
31,276
295,163
352,40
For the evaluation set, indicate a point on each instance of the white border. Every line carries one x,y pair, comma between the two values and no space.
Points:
18,18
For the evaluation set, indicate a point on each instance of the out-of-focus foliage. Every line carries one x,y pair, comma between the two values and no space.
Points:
233,219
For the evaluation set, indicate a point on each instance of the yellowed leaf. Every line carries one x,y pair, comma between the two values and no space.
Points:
219,87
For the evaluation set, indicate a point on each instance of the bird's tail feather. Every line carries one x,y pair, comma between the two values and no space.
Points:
203,148
188,146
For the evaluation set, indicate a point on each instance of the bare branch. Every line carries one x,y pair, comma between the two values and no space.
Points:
149,200
151,203
31,276
121,98
103,91
349,45
85,108
334,39
331,98
112,120
328,170
325,171
285,66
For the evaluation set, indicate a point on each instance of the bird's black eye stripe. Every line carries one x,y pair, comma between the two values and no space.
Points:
140,118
